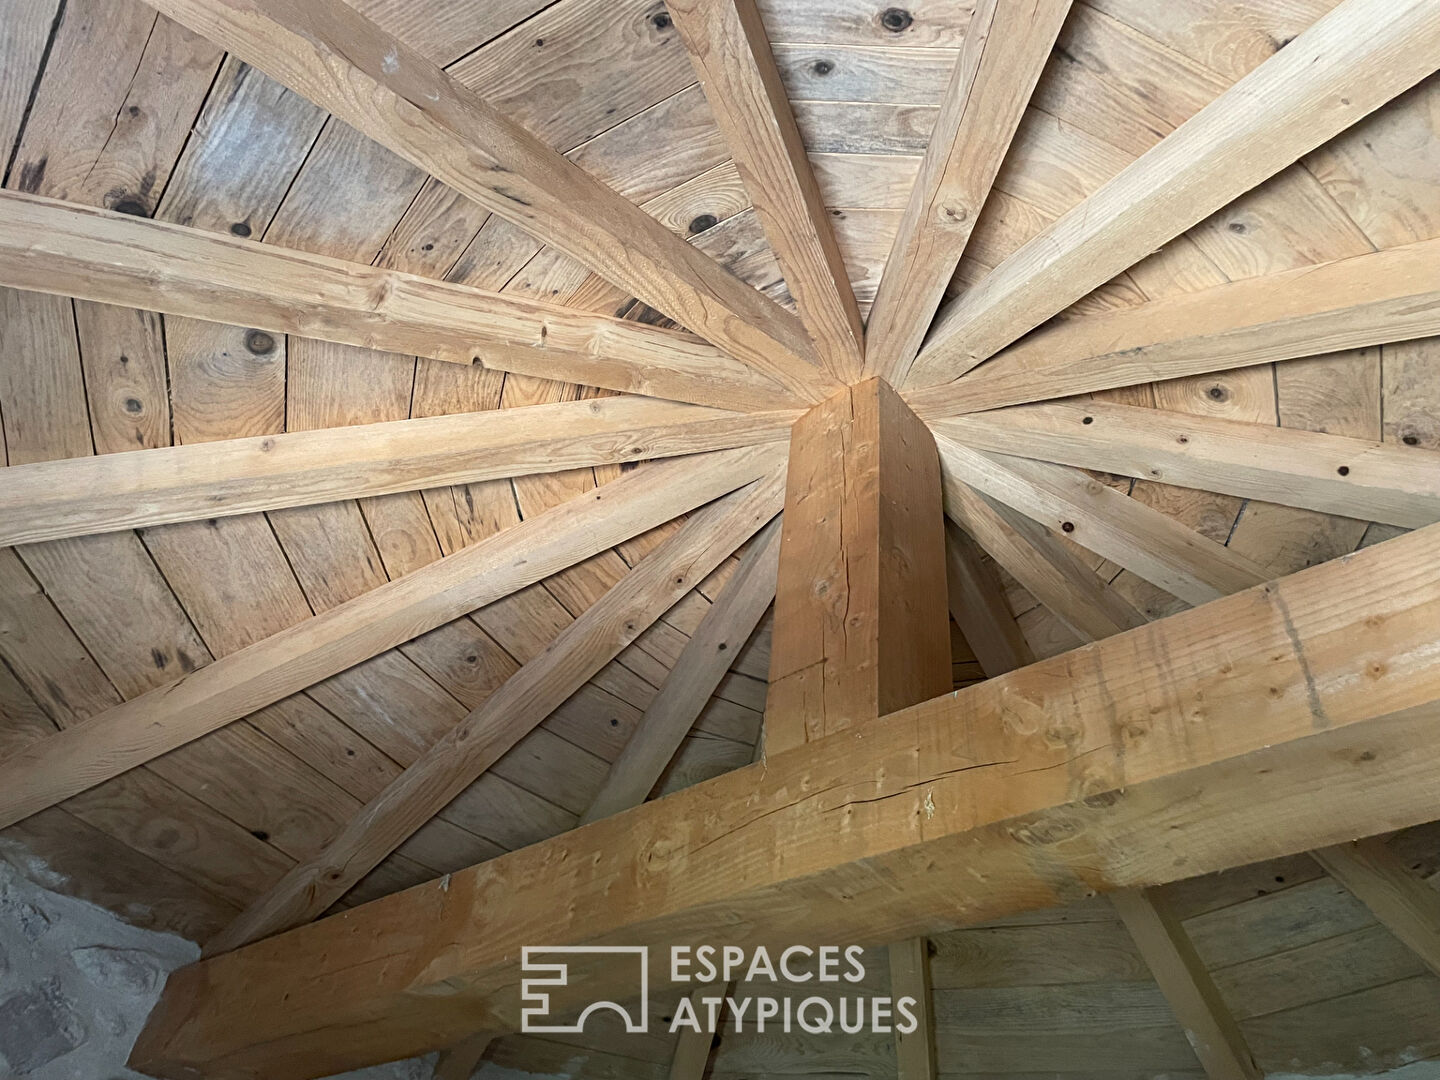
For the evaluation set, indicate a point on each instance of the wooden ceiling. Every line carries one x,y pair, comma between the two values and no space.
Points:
104,103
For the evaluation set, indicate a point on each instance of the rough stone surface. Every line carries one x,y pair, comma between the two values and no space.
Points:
76,984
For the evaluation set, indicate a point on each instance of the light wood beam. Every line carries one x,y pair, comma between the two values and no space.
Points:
1097,517
1186,984
1389,482
707,656
1403,902
731,53
515,709
100,255
328,52
1351,61
1314,695
977,604
860,627
461,1060
79,496
1036,559
236,685
1006,46
693,1048
910,977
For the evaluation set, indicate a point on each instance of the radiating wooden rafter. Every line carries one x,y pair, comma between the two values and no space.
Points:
118,259
1010,454
141,488
1333,474
1272,781
328,52
513,711
1351,61
144,727
1006,46
731,54
1373,299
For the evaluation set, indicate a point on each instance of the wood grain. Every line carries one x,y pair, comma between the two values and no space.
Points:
1007,44
1349,63
1307,740
859,627
79,496
731,53
116,259
305,653
331,54
525,699
1357,478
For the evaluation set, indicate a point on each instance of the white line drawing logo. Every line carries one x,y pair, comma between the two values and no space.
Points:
535,1001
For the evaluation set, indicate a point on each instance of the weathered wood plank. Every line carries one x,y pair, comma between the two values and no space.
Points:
79,496
732,57
1308,738
707,656
1403,901
113,258
1006,46
1187,985
330,53
274,667
1359,478
1349,63
525,699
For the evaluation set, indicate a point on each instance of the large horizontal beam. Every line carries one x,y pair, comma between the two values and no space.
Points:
78,496
95,254
275,667
1396,484
328,52
1349,303
1290,716
1351,61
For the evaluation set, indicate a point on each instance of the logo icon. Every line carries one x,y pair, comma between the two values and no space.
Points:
535,999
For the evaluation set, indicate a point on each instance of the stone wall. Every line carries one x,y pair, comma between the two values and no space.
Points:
76,984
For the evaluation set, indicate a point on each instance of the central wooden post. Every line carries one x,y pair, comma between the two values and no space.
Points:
861,624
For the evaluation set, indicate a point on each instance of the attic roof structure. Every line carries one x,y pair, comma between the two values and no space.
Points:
959,480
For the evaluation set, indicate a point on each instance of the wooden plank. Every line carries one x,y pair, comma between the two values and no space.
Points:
462,1059
1359,478
1308,739
1349,63
1403,901
1129,533
449,766
78,496
731,53
977,604
113,258
693,1048
1351,303
1186,984
328,52
303,654
1034,557
910,977
707,656
1006,46
860,629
